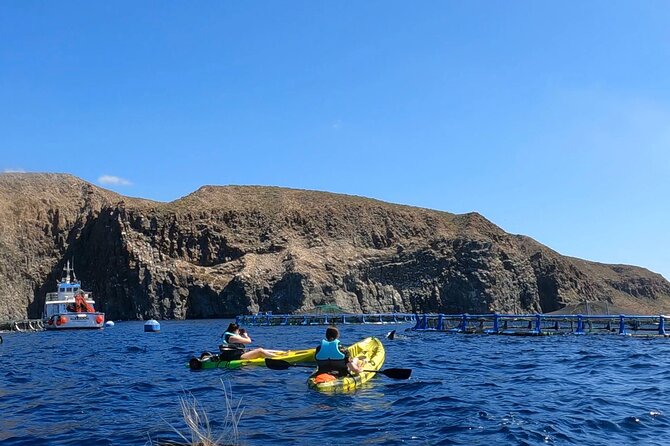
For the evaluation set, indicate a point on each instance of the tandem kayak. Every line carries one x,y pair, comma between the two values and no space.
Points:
370,349
209,361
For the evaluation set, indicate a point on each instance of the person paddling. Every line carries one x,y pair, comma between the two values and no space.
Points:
234,342
333,358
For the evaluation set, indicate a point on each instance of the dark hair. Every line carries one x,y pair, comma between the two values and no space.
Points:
232,327
332,333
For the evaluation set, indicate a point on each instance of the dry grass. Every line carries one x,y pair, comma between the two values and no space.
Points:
199,431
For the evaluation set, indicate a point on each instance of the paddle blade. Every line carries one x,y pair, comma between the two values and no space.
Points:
277,364
397,373
390,335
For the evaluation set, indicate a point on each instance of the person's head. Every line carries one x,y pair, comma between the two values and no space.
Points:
332,333
232,328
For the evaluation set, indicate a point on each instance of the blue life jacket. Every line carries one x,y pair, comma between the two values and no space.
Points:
224,341
330,359
330,351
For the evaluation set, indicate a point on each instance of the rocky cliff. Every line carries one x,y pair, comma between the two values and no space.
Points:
223,251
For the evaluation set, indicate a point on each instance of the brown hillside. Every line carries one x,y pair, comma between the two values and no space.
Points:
238,249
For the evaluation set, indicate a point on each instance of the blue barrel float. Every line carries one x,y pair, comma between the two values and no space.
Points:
152,326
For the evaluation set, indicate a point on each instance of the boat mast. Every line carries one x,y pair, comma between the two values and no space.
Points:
67,270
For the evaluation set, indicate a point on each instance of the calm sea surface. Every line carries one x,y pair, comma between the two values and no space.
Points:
121,386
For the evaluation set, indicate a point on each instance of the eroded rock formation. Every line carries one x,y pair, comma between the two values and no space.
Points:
223,251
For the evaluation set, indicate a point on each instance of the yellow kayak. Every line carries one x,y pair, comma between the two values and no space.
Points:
369,348
215,362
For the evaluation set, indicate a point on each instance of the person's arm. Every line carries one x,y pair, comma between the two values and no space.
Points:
345,352
347,355
240,339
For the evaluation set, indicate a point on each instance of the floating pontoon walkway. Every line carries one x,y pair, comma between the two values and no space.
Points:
22,325
502,324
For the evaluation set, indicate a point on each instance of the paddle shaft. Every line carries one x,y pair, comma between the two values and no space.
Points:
311,367
278,364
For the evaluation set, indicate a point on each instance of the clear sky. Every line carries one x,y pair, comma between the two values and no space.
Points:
550,118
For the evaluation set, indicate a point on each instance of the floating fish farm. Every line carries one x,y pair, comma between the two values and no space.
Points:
324,319
501,324
544,324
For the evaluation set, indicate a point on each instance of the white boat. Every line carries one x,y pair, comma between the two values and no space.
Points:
71,307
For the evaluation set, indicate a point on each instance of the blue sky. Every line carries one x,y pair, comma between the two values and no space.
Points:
552,119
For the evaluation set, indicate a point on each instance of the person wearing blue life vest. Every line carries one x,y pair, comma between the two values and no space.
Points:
234,342
333,358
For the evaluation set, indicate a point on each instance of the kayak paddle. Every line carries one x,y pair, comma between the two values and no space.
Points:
278,364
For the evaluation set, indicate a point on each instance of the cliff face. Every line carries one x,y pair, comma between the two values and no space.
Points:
223,251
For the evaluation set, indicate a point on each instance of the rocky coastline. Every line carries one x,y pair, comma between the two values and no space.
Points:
223,251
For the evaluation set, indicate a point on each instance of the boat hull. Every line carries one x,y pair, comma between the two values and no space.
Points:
75,321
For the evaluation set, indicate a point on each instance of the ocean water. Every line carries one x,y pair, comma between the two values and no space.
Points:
121,386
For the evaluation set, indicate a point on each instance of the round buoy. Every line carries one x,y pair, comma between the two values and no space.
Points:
99,319
63,320
152,326
109,324
195,364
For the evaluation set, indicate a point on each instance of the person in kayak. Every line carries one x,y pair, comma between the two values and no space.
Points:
235,340
333,358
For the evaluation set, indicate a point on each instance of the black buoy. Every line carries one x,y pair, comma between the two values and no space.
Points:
391,335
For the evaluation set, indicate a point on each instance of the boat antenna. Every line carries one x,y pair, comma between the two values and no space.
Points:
74,275
67,270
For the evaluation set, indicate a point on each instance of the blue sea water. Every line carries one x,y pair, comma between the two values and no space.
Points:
121,386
